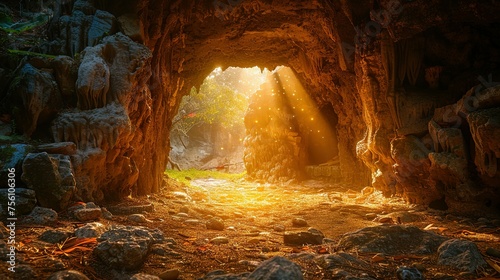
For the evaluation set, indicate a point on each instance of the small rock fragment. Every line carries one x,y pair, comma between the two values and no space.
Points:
54,236
219,240
409,273
171,274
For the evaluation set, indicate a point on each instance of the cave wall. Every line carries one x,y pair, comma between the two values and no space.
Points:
397,87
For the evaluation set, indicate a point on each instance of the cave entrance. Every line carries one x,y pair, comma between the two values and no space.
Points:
208,130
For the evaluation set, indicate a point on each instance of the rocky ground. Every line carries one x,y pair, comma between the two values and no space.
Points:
218,229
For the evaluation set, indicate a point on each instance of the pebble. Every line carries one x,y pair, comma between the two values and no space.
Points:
90,230
493,252
279,228
219,240
171,274
370,216
299,222
106,214
409,273
215,224
192,222
182,214
138,218
249,263
87,214
144,276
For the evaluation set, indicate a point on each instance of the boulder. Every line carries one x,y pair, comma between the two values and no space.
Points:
391,240
41,216
34,97
460,254
126,247
276,268
51,176
25,201
12,156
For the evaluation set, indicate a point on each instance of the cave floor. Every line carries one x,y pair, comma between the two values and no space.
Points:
252,215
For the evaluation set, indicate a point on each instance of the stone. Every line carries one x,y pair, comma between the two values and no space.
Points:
12,156
130,25
51,177
126,247
312,236
25,200
391,240
138,218
219,240
65,72
90,230
460,254
164,250
215,224
87,214
184,209
279,228
340,260
277,268
171,274
24,271
409,273
64,148
144,276
54,236
130,209
493,252
68,275
41,216
106,214
34,92
299,222
103,24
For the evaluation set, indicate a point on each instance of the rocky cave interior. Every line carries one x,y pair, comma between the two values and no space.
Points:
404,95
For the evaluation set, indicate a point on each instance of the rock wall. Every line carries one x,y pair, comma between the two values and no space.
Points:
397,74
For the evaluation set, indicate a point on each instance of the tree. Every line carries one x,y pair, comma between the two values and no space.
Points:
214,103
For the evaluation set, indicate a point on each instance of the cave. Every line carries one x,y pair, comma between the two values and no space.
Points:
372,106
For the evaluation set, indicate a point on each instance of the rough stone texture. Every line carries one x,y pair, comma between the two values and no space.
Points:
409,273
41,216
112,121
51,176
87,214
35,94
63,148
68,275
144,276
397,74
54,236
12,156
391,240
340,260
276,268
215,224
460,254
312,236
90,230
25,200
126,247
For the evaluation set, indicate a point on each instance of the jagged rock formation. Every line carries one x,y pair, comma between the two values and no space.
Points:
395,72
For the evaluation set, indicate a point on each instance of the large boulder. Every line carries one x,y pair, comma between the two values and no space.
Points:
25,200
51,176
391,240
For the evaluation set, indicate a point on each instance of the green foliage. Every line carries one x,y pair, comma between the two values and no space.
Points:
213,103
8,26
194,174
